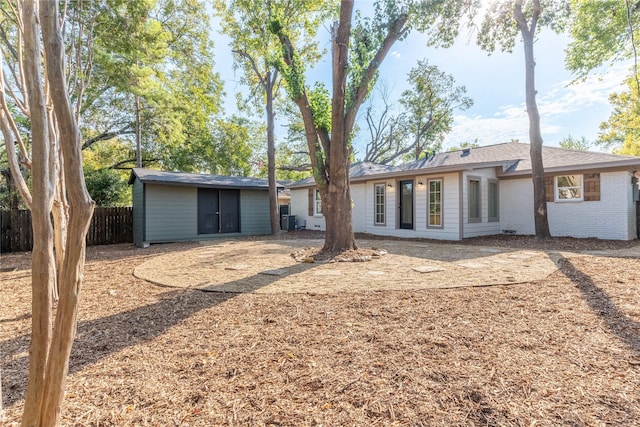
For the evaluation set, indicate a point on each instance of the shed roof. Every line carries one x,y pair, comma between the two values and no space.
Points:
198,180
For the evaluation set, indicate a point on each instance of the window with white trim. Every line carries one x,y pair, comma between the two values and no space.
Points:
379,204
494,200
317,205
475,211
568,188
435,203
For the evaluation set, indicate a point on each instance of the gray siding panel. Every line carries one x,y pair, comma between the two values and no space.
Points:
254,212
138,213
171,213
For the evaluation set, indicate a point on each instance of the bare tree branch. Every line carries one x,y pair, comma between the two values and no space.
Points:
296,168
396,31
127,130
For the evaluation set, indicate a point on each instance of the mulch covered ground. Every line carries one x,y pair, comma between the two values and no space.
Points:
560,351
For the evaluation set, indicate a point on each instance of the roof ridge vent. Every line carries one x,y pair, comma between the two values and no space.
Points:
466,151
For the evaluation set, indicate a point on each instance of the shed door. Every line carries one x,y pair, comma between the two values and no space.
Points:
208,211
229,211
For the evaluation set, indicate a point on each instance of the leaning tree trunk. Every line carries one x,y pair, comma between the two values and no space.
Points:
535,137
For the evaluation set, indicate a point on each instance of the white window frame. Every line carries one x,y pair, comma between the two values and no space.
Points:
495,218
557,189
440,203
471,219
317,204
382,185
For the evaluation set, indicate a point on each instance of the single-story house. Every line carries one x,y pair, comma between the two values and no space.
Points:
176,206
485,191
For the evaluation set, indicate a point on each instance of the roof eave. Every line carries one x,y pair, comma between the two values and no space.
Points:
631,164
416,172
433,170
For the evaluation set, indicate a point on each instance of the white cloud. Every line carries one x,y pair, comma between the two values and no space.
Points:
568,108
396,54
568,97
487,130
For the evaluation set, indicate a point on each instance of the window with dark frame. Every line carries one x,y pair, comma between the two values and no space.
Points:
379,203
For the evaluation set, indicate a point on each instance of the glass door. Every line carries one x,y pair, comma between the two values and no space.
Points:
406,204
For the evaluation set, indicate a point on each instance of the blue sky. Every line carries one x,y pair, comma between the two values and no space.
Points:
495,83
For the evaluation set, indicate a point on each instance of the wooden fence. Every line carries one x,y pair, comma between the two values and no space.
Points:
108,226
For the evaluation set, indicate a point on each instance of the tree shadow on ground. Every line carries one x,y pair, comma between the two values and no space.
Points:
99,338
615,320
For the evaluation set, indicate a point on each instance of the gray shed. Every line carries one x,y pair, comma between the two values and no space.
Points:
177,206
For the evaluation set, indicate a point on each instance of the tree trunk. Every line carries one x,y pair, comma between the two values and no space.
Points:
60,214
274,211
535,137
330,149
42,271
60,211
80,212
337,210
336,197
138,134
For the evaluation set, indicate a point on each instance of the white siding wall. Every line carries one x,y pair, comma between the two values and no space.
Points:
632,205
359,206
516,205
610,218
450,210
300,208
613,217
391,205
484,227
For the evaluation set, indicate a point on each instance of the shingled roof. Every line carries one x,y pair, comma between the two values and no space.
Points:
198,180
357,171
515,159
511,157
558,159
